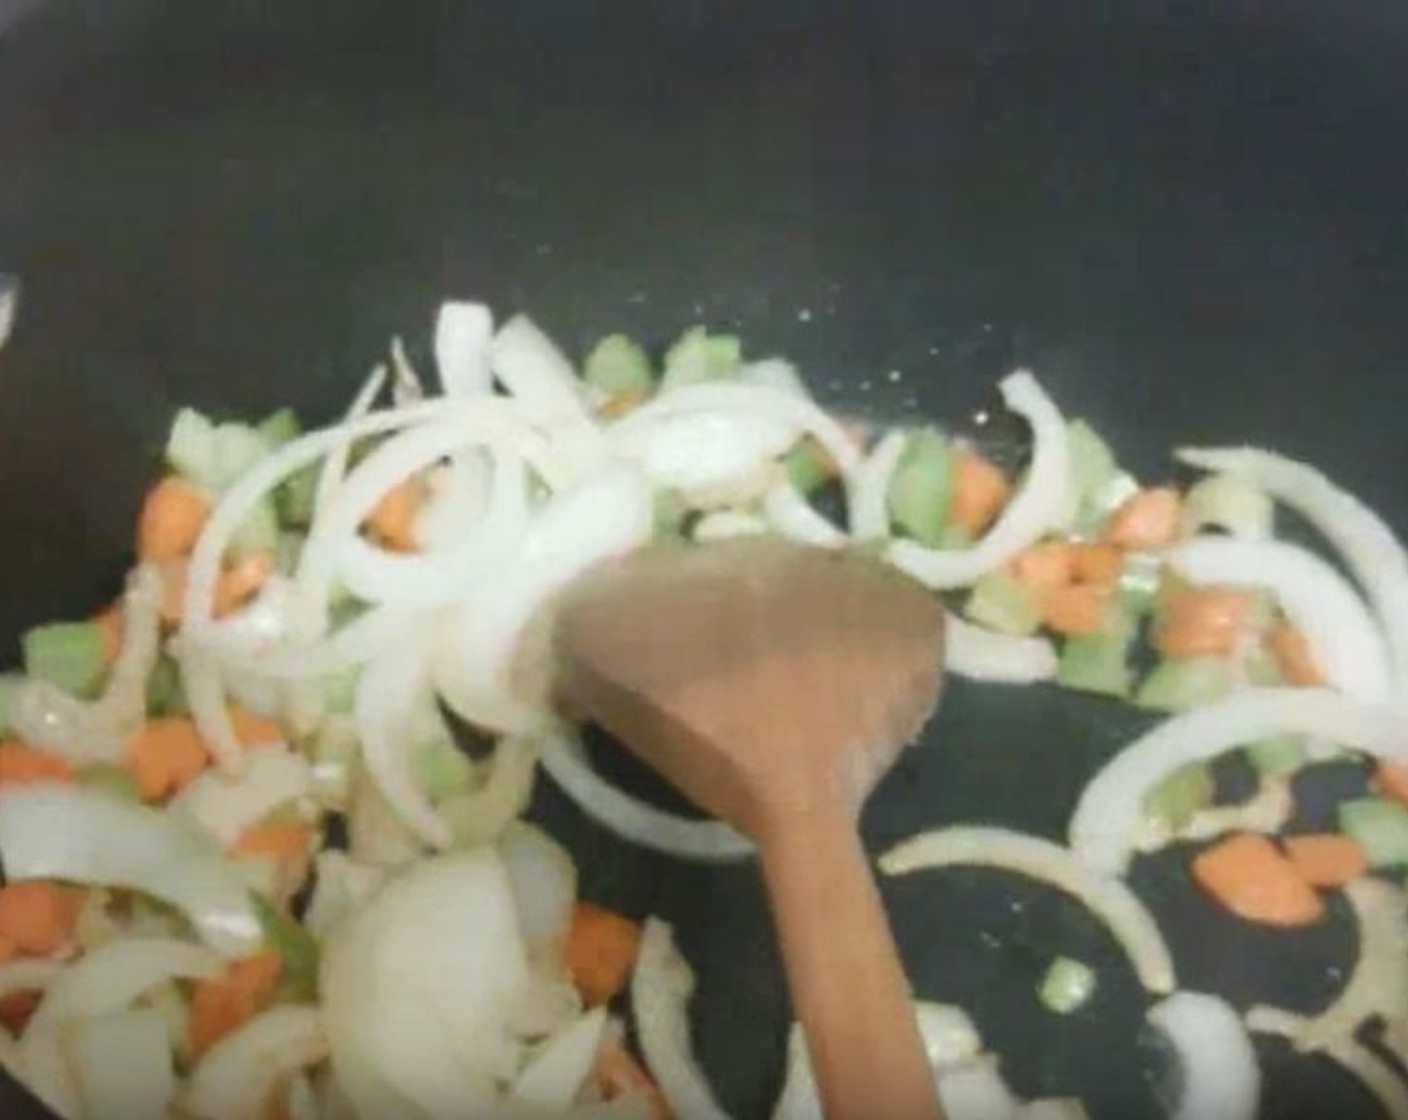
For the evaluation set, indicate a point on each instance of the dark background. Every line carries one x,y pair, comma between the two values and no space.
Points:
1189,217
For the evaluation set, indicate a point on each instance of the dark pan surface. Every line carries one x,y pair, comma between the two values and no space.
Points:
1190,221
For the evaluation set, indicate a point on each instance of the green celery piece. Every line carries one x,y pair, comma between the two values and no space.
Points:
1263,669
618,365
1177,686
1277,755
1183,793
166,695
670,511
698,356
279,428
258,533
295,497
1139,586
1380,827
921,489
297,948
808,466
340,690
190,445
1097,663
441,769
67,654
955,537
1067,986
110,778
8,683
1092,466
999,602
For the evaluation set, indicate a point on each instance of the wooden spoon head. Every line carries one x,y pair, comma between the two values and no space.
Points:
756,675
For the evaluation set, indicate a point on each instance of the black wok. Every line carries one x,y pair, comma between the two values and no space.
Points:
1189,218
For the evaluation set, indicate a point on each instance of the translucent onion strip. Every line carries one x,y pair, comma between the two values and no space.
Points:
240,1075
1220,1077
985,655
870,510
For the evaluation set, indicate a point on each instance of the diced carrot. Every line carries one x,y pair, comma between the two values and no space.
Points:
1100,564
1391,778
980,491
1147,520
1248,876
109,623
1328,859
233,588
618,1073
1078,608
222,1005
276,841
173,514
255,731
601,950
1294,656
16,1010
1043,567
393,521
165,756
20,765
1203,622
38,916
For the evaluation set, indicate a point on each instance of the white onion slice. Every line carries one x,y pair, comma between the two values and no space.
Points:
122,1065
28,975
870,497
728,524
1053,1108
1318,601
86,836
480,815
334,468
341,886
1225,501
703,453
565,762
1039,506
9,305
543,879
463,331
792,516
976,1091
1376,1075
238,1078
984,655
1108,898
225,807
1105,824
1371,551
1221,1080
1267,812
458,492
552,1080
660,991
777,374
538,375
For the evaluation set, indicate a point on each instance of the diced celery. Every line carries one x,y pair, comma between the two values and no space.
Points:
670,513
279,428
340,689
258,533
808,466
955,537
166,695
297,949
1277,755
288,550
1140,581
1176,686
921,489
237,448
212,455
1097,663
441,769
1380,827
295,497
698,356
1263,610
190,445
1067,986
68,654
999,602
1262,669
8,683
1183,793
1092,467
110,779
617,364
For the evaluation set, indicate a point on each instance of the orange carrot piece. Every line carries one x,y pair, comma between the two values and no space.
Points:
1079,608
1247,875
618,1073
20,765
1294,656
109,623
254,730
393,521
38,916
16,1010
222,1005
1327,860
283,842
1147,520
173,514
165,756
1203,622
980,491
1391,778
1100,564
234,587
601,950
1043,567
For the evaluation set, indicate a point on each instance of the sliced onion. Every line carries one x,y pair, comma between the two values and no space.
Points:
238,1078
728,524
1376,1075
1038,507
480,815
543,879
1108,898
44,715
984,655
660,991
1379,983
1318,601
1105,825
705,453
1267,813
792,516
9,305
552,1080
537,375
1220,1078
28,975
406,384
122,1065
87,836
1371,551
341,886
1053,1108
565,762
463,331
225,807
870,504
458,495
976,1091
1225,501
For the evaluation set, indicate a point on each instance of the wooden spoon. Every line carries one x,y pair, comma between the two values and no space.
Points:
774,684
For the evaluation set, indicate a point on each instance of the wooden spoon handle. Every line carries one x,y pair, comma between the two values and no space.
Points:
848,987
